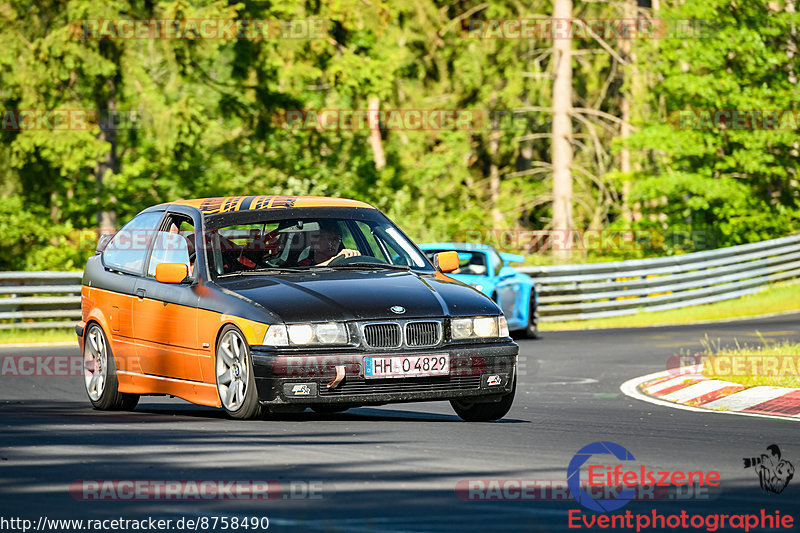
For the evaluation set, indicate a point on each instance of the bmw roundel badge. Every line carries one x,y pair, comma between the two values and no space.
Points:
397,309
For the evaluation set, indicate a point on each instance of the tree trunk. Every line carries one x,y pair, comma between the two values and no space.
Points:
626,45
106,108
561,151
494,180
378,155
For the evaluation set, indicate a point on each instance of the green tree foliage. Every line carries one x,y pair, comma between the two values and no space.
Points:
726,183
206,119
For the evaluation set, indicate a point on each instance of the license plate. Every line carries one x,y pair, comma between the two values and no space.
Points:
406,366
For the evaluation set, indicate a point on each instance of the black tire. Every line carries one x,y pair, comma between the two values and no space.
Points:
100,373
238,395
330,409
532,329
485,412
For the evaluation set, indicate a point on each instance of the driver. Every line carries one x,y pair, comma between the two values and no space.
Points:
326,244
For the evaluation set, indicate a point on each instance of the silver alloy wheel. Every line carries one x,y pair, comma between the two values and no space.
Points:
233,370
95,362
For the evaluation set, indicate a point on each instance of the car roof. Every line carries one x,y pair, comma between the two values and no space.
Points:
229,204
465,246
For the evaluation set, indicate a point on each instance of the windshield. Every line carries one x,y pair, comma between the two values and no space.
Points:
311,242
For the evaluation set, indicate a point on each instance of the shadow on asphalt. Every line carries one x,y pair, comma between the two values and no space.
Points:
168,413
47,446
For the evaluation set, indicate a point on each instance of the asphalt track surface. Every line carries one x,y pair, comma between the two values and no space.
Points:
395,468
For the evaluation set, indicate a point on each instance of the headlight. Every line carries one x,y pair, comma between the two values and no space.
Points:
306,334
331,333
485,327
300,333
479,327
461,328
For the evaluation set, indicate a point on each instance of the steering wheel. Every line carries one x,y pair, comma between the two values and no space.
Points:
342,260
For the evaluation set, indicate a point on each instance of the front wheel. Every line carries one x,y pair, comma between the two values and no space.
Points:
485,412
100,374
235,381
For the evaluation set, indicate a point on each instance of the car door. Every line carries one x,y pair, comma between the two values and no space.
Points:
165,314
123,258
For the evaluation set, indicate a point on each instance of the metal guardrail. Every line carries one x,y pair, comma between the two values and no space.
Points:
39,299
600,290
566,292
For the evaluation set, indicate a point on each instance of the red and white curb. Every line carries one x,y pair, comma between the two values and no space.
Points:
691,391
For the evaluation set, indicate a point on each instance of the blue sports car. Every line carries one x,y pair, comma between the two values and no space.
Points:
488,271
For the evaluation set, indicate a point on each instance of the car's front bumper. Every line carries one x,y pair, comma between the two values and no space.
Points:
304,378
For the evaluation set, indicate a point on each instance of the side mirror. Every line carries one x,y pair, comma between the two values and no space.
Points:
103,241
171,272
511,258
446,261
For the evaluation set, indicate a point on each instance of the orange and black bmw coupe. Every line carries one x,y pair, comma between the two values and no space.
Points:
279,303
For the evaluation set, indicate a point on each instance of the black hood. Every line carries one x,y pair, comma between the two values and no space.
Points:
360,295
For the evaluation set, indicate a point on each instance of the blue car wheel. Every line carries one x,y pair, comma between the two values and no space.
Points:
532,329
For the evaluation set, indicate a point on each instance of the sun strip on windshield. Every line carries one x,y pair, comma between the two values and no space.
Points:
214,206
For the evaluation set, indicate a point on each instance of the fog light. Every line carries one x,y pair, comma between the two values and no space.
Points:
299,390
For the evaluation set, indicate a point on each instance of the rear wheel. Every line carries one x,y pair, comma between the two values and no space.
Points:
532,329
236,384
485,412
100,374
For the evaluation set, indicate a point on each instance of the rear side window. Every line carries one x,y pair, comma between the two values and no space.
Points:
128,249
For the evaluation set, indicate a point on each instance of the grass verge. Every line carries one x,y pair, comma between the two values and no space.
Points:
778,298
31,336
774,365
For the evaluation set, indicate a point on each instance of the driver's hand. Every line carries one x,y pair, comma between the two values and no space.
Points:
347,252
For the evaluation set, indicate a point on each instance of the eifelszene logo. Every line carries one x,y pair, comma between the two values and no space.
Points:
618,484
773,472
574,476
